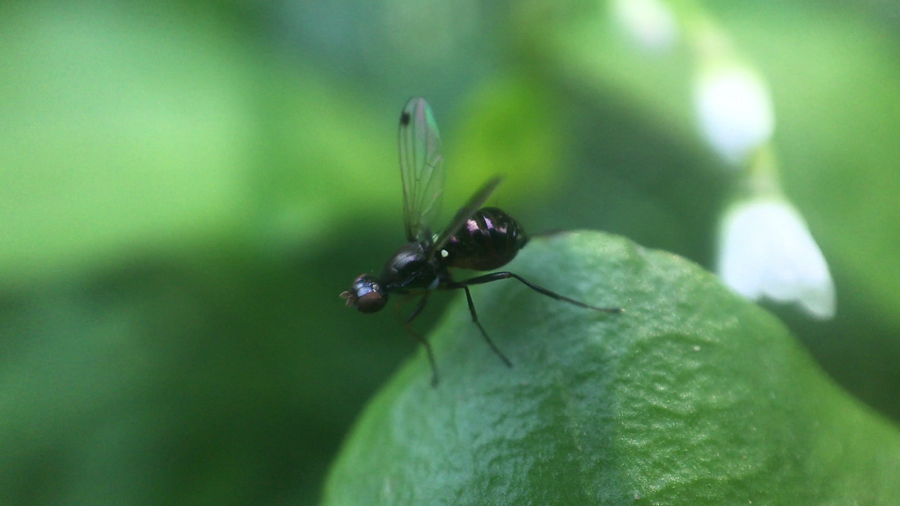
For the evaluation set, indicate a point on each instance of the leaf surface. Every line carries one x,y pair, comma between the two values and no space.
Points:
691,396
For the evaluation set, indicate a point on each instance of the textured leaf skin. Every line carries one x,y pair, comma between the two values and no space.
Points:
691,396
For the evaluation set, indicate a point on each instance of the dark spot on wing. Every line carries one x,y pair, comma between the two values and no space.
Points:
404,118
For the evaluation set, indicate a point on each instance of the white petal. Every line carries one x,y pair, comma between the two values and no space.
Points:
651,23
766,250
734,111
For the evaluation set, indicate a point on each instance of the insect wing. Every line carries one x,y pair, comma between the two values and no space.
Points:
421,168
465,213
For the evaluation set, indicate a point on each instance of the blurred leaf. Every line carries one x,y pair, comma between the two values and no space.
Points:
692,396
577,43
115,131
329,157
509,128
125,129
224,380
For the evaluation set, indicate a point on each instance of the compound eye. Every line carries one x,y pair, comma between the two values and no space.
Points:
371,302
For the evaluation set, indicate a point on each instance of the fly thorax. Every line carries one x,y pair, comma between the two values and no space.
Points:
409,268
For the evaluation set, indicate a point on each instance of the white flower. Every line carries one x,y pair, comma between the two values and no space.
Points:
734,110
766,250
651,23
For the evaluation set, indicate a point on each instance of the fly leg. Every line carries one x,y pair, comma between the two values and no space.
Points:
497,276
475,320
419,307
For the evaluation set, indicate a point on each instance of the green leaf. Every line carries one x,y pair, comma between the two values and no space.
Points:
691,396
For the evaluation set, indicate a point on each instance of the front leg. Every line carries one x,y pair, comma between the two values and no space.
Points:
418,309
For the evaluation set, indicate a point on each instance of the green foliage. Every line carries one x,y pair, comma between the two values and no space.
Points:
691,396
510,128
115,136
186,140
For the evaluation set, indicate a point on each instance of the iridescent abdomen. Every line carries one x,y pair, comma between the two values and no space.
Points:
487,241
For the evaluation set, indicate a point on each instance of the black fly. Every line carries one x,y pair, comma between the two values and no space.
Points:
477,238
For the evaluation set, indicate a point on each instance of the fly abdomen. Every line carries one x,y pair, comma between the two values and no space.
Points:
489,240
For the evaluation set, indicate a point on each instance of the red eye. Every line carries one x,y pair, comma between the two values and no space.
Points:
370,302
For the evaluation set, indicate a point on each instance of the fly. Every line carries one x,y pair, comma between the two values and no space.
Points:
477,238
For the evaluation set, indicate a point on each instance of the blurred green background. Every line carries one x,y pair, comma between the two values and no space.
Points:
185,188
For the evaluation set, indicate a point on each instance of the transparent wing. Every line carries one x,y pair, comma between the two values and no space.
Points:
465,213
421,168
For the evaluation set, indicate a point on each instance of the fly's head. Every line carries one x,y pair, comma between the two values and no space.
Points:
366,294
